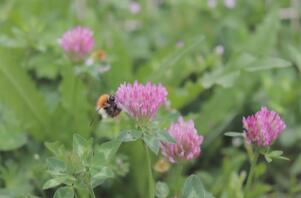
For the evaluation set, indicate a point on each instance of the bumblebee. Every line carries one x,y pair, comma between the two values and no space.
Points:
107,107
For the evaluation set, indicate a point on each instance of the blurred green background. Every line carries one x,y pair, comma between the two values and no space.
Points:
219,62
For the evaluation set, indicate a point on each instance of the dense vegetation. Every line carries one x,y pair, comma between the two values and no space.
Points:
219,61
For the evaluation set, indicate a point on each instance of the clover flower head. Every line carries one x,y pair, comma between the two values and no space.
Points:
188,142
77,42
263,127
141,101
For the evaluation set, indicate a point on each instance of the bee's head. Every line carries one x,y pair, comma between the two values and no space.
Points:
112,98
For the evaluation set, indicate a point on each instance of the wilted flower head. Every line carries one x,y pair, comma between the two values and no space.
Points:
263,127
188,142
96,57
162,166
77,42
141,101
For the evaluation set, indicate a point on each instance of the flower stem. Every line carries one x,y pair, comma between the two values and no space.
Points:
253,161
178,174
151,190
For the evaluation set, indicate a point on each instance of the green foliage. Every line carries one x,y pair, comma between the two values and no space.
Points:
152,142
218,65
153,139
11,140
234,134
162,190
21,95
64,192
130,135
194,188
73,104
235,186
17,177
269,156
81,167
12,136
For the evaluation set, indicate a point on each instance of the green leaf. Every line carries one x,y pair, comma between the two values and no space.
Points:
72,112
268,63
81,146
164,136
162,190
170,62
101,175
56,167
180,96
19,92
152,142
45,64
281,157
58,180
130,135
119,47
295,55
10,139
234,134
221,77
268,159
267,33
64,192
55,148
193,188
109,149
274,155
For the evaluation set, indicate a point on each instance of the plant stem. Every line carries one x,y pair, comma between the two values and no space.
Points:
89,183
92,192
253,161
178,175
151,190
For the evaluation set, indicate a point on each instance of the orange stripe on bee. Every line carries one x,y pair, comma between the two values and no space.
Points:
102,100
